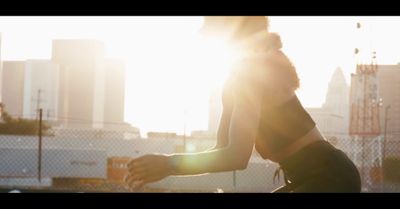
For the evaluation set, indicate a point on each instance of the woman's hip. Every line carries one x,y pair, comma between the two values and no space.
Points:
320,160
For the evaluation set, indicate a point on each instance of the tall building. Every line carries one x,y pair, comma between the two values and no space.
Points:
81,95
332,117
92,88
389,86
12,86
41,89
114,95
337,96
329,123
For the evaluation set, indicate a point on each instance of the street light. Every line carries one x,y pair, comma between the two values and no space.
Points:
385,131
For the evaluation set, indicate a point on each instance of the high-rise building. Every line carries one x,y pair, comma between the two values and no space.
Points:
92,88
41,89
332,118
389,86
337,96
81,78
12,86
114,95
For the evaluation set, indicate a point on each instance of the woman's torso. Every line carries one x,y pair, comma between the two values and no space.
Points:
284,127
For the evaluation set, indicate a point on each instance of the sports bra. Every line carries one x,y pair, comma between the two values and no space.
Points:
281,126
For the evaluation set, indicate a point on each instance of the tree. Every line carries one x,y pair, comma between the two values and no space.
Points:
20,126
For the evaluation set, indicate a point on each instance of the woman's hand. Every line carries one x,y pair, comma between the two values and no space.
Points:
147,169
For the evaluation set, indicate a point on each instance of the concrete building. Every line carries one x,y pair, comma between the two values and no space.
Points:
79,61
337,99
329,123
333,117
92,88
114,95
12,83
389,86
388,83
41,89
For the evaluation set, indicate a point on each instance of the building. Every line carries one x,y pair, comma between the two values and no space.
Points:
41,89
12,86
114,95
80,62
28,86
92,88
337,98
329,123
332,118
78,88
200,134
387,81
389,84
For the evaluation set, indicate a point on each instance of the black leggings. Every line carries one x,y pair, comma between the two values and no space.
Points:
320,167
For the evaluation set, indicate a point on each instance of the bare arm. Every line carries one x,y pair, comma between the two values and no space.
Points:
225,120
243,125
233,150
223,130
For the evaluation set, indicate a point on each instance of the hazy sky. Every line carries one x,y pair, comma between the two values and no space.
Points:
163,79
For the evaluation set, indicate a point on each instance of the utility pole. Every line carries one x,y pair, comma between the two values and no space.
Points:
184,131
40,146
38,102
384,133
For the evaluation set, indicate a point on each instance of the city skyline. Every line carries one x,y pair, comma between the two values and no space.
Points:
77,87
141,44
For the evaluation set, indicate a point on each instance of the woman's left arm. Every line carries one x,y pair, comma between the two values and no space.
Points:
235,156
242,133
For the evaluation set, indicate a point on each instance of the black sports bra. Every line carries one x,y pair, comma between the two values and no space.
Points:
281,126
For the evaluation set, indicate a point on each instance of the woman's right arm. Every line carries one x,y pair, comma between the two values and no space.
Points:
223,129
225,119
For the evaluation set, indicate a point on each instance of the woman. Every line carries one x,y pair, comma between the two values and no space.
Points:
261,109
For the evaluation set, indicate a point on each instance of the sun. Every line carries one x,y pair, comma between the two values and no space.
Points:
176,80
215,59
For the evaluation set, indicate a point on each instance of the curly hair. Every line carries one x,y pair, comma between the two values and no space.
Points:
269,57
238,26
253,30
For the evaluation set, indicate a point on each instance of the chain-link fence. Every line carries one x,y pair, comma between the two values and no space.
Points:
377,159
87,159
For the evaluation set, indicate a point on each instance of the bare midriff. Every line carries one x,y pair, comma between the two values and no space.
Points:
311,137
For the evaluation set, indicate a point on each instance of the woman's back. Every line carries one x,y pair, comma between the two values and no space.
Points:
283,119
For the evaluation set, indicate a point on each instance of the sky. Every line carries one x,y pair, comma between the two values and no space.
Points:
167,86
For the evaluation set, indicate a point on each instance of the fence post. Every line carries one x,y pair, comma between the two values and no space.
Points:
234,180
40,146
